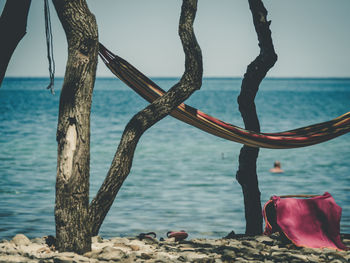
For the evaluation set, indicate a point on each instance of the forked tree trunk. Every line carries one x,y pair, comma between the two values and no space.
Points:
73,229
256,71
13,25
190,81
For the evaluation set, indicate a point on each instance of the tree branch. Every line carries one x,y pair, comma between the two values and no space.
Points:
13,25
190,81
256,71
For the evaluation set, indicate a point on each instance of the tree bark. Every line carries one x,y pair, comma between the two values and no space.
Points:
13,25
73,229
190,81
256,71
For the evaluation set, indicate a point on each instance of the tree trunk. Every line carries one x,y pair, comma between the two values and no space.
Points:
13,25
190,81
256,71
73,230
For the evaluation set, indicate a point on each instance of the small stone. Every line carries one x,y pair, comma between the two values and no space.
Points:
150,241
228,255
111,254
327,250
279,254
62,259
300,258
194,256
313,259
204,260
240,260
123,240
134,247
93,253
265,239
307,250
38,240
96,239
275,235
68,254
146,256
170,240
250,252
248,243
80,259
334,254
260,246
283,249
21,239
127,250
187,249
12,259
45,250
275,248
122,247
187,245
264,253
182,259
165,257
109,249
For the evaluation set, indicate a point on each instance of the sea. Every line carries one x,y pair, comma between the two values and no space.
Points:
181,178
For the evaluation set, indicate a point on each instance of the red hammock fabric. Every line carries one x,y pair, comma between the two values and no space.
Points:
312,222
301,137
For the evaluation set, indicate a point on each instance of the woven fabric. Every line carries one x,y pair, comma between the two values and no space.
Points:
301,137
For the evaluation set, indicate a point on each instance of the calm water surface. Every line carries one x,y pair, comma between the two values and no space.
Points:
182,178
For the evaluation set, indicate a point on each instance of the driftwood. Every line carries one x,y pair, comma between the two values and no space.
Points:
256,71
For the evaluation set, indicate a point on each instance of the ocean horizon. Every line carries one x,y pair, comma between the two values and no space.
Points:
181,178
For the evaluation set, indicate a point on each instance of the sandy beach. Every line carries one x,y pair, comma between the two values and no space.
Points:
121,249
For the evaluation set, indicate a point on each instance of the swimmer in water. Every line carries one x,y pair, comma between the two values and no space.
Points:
276,167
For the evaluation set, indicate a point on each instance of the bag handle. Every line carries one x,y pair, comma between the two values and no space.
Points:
301,196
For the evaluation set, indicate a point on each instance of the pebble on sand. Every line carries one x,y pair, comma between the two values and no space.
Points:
237,249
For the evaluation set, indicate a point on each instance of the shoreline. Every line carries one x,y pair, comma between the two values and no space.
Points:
240,248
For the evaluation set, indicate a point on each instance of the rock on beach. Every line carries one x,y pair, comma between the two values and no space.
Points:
237,249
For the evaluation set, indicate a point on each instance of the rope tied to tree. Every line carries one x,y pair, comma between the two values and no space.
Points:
49,45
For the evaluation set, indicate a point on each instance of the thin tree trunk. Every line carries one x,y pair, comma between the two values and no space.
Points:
13,25
256,71
73,229
190,81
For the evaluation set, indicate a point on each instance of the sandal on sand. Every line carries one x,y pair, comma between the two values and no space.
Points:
149,235
179,235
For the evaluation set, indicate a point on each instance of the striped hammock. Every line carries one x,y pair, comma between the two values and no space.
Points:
301,137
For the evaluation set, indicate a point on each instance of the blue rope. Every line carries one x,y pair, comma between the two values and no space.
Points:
49,44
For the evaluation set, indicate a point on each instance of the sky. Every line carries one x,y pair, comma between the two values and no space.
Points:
310,37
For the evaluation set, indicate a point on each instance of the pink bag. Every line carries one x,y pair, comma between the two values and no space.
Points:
307,222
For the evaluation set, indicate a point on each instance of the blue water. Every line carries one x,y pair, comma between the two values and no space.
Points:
181,178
